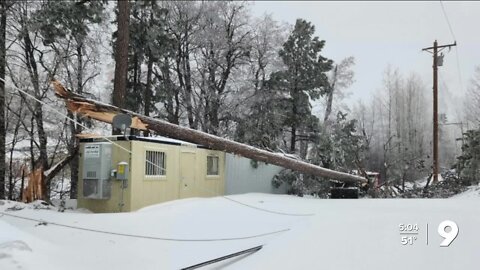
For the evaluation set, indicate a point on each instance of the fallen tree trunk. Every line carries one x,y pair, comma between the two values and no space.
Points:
54,170
105,112
35,188
38,180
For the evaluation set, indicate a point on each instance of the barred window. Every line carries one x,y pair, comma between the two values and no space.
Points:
212,165
155,163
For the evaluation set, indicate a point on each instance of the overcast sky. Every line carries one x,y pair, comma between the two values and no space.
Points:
381,33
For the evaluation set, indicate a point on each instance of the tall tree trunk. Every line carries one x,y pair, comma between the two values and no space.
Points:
172,101
211,93
295,117
37,108
22,185
74,163
328,110
293,137
206,123
304,145
188,89
213,114
3,25
12,149
10,175
148,89
32,142
177,107
76,129
136,67
121,56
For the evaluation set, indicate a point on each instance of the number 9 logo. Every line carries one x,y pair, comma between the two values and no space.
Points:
450,235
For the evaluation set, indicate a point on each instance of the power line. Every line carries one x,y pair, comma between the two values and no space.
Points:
251,206
62,114
76,122
44,222
460,77
266,210
448,21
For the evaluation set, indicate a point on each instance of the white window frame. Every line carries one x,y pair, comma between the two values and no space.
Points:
163,171
218,165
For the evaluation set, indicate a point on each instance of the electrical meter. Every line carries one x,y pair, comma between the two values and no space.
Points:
122,171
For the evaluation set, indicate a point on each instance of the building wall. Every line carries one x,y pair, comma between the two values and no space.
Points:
242,177
112,204
186,176
148,190
210,185
182,163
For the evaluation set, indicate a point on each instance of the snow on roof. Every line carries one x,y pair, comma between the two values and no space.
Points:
369,173
166,139
159,139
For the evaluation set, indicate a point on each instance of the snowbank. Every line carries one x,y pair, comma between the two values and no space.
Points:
472,192
296,233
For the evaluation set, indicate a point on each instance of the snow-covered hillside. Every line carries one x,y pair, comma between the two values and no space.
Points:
296,233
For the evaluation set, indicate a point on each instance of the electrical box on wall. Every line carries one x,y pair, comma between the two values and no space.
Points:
97,165
122,171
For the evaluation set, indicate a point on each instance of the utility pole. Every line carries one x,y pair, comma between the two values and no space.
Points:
437,61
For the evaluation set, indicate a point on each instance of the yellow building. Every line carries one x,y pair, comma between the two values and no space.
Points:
155,170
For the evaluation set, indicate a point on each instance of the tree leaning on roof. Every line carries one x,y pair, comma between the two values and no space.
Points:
105,112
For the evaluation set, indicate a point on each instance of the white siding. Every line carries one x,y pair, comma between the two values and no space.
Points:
242,177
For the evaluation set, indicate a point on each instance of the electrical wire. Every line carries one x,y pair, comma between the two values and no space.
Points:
448,21
77,123
251,206
159,167
44,222
268,211
460,77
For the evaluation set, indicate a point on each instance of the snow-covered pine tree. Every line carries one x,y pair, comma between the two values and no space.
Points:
468,164
303,80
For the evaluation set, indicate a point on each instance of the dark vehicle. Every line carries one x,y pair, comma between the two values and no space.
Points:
342,190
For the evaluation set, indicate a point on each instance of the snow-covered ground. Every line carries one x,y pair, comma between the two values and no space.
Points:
296,233
471,193
420,183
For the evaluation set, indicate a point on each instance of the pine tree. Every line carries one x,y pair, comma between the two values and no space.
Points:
304,79
341,148
263,127
468,164
150,45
